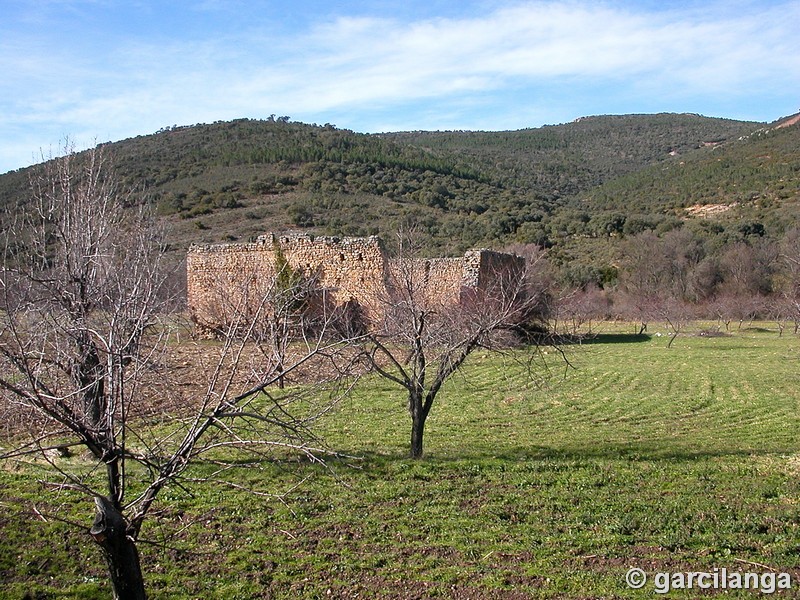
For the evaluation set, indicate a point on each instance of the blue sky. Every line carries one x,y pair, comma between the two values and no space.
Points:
99,70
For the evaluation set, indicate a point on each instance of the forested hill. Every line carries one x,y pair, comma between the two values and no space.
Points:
754,177
557,186
567,159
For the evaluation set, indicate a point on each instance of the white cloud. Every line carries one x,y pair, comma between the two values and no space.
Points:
361,61
514,60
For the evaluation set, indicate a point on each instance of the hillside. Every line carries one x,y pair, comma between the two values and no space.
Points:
577,188
754,177
234,180
564,160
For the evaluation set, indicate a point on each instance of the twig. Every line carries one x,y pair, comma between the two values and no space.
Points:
755,564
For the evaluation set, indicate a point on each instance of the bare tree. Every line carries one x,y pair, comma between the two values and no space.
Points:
576,309
271,305
789,258
82,330
677,314
658,278
643,274
422,336
748,267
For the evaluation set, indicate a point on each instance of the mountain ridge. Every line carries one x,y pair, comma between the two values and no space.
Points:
576,187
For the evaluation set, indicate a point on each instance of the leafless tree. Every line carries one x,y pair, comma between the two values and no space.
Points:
748,267
677,314
731,305
779,309
789,257
643,274
420,336
658,278
82,334
576,308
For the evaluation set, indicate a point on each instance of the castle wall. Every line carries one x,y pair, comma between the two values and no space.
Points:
435,281
484,269
350,269
226,281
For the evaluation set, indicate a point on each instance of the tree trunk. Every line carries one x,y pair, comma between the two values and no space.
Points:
672,339
281,380
417,432
89,376
110,531
418,417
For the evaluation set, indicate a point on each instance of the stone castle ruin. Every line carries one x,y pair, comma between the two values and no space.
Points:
222,279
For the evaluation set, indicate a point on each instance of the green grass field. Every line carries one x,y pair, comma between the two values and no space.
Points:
670,460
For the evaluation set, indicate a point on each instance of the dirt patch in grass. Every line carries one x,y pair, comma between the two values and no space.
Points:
381,588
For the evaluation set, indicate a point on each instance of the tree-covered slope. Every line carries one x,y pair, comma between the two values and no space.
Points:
754,177
564,160
234,180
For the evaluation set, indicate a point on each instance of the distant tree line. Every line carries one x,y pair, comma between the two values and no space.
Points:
687,274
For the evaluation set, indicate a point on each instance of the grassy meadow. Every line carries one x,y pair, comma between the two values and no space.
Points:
638,455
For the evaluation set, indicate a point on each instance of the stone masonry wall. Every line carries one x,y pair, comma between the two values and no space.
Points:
486,268
224,279
436,281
